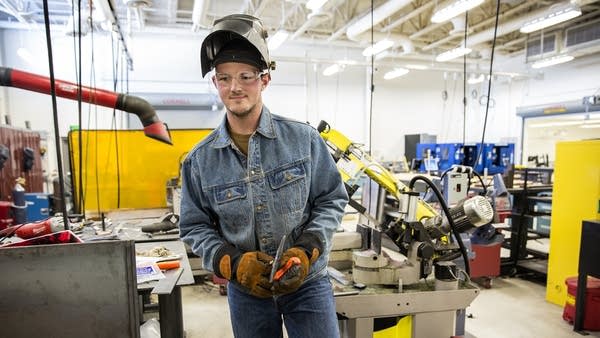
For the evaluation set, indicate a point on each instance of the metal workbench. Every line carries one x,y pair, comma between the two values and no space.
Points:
169,290
433,312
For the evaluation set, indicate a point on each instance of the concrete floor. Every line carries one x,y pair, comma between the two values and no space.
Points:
512,307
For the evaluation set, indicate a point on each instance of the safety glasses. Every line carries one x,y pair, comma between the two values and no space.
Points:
244,78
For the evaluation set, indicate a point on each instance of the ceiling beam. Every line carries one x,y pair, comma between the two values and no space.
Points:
10,9
427,29
408,16
480,24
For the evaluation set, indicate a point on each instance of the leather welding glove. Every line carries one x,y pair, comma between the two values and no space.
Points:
250,269
307,248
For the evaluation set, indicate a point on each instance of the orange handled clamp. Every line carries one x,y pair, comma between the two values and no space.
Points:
293,261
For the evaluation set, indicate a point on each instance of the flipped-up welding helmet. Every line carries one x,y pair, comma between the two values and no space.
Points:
236,38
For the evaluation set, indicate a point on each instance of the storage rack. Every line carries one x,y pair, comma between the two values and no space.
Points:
525,196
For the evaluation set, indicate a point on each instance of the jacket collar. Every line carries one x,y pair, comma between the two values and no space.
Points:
265,128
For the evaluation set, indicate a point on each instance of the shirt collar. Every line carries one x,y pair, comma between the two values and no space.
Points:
265,128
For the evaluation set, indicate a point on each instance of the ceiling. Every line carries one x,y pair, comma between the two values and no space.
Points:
407,23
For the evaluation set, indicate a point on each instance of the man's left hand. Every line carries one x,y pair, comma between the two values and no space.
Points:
293,277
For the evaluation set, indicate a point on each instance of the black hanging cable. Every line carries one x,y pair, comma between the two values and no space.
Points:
372,89
487,104
76,56
93,86
98,208
116,65
465,81
127,80
79,113
61,179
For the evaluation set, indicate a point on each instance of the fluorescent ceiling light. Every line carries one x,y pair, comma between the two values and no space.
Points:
475,80
334,68
590,126
452,54
378,47
453,9
397,72
556,124
555,60
416,67
277,39
555,15
315,5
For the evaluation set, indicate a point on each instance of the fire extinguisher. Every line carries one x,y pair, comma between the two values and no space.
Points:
19,205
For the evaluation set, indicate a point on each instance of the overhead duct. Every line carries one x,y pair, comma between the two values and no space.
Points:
199,18
153,126
503,28
398,39
182,101
458,25
378,15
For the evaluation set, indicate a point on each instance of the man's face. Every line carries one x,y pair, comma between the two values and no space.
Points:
240,87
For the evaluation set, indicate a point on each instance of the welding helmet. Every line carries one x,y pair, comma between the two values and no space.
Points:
236,38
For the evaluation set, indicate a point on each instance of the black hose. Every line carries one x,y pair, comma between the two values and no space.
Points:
57,139
482,184
463,250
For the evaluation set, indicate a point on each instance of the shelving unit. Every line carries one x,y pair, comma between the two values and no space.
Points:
531,186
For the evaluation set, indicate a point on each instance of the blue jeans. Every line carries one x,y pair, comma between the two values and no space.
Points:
308,312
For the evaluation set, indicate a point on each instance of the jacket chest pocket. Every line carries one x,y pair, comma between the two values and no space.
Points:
233,205
289,188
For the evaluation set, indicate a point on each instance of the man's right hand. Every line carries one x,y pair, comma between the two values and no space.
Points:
250,269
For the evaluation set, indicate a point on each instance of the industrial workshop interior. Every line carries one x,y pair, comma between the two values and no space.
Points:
465,134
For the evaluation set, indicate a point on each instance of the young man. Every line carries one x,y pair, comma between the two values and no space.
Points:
256,179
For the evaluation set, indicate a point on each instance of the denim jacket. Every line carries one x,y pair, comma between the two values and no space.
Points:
287,184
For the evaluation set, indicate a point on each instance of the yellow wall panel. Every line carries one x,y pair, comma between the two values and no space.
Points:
575,197
137,177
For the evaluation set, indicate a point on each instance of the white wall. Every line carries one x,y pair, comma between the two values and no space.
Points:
407,105
413,103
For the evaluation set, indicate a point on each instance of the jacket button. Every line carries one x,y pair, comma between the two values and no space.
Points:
259,207
288,176
264,240
229,194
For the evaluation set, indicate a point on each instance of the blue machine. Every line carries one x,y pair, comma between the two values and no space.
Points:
472,150
425,150
38,206
496,158
449,154
503,157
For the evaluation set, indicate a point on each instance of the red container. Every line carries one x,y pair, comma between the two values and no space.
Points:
5,219
487,260
591,312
